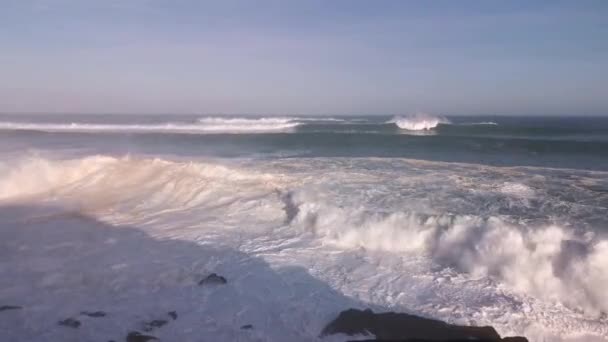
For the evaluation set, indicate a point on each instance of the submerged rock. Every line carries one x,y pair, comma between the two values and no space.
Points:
247,327
157,323
10,307
70,322
135,336
94,314
213,279
404,327
172,314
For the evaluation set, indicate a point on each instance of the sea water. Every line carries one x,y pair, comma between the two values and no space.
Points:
496,221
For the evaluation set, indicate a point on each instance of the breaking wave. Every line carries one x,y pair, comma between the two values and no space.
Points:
247,124
491,123
552,262
206,125
418,122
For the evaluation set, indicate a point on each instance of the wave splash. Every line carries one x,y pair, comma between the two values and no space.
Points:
418,122
549,262
145,186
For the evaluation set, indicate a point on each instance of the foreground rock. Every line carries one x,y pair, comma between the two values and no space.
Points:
94,314
213,279
70,322
157,323
403,327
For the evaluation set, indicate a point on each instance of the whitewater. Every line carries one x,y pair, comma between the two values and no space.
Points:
98,213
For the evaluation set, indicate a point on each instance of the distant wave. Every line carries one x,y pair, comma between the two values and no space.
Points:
322,119
247,124
200,126
418,122
205,125
492,123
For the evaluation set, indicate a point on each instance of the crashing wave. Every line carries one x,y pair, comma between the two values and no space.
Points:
550,262
418,122
554,263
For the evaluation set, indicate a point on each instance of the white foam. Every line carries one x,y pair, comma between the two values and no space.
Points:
208,125
418,122
517,190
548,262
490,123
355,232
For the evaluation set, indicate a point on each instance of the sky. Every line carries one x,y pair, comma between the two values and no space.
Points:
304,57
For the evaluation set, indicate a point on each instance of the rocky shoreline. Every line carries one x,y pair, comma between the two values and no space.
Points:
391,326
387,326
77,279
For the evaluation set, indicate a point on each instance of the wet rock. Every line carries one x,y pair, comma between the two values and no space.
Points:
247,327
515,339
94,314
172,314
404,327
157,323
213,279
70,322
509,339
10,307
135,336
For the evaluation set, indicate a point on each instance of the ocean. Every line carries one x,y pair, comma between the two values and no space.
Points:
482,220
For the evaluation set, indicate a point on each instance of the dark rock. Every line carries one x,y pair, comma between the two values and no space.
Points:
247,327
172,314
95,314
157,323
442,340
404,327
135,336
10,307
70,322
213,279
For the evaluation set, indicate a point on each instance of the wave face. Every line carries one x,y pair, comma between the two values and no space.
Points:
418,122
470,245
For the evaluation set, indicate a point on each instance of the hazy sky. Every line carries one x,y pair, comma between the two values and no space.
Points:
311,57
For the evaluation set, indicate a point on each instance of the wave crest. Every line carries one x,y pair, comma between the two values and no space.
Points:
549,262
205,125
418,122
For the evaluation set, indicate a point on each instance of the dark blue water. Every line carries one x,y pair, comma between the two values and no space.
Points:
559,142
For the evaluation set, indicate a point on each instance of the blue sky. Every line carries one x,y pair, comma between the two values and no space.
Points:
306,57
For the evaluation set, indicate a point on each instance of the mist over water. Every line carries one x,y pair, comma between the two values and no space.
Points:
478,220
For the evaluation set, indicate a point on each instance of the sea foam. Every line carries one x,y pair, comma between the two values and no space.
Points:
554,269
204,125
418,122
